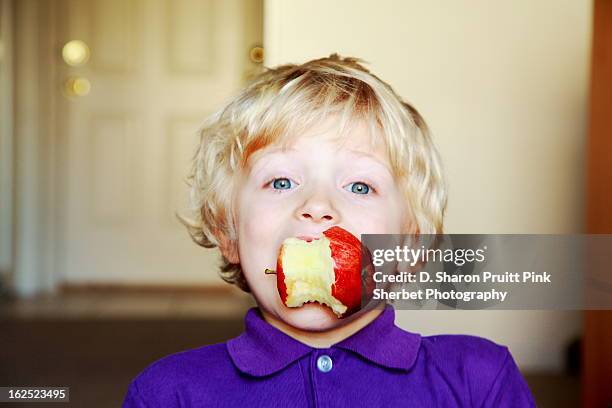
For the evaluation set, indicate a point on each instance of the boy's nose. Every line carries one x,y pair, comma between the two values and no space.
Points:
319,209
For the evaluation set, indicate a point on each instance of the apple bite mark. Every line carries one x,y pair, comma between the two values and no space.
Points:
308,269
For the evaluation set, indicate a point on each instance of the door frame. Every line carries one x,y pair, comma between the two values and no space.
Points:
35,154
597,343
6,140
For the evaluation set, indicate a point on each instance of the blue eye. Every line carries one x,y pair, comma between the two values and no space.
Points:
282,183
360,188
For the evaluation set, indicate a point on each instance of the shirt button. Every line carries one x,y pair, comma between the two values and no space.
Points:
324,363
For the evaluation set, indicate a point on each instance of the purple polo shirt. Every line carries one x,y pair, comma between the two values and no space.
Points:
380,365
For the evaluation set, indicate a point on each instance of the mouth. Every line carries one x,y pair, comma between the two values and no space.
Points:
307,238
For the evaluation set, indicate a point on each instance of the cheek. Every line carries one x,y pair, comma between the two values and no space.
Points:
259,220
260,225
383,217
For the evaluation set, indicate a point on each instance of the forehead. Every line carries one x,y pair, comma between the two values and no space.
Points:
356,135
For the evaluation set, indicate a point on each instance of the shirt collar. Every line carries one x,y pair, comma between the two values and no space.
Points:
262,349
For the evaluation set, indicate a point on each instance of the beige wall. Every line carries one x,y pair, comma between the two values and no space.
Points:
503,86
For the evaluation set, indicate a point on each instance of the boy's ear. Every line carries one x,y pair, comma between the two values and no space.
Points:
228,248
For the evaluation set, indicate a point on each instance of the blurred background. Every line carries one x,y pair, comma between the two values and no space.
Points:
99,104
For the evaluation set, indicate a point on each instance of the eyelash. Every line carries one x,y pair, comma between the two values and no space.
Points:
280,191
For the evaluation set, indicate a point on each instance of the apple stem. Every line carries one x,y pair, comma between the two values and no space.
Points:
270,271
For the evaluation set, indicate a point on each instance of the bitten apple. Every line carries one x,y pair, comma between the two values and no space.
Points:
327,270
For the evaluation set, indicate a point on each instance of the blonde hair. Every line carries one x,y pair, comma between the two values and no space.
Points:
286,100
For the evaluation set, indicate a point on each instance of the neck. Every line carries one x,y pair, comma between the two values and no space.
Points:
323,339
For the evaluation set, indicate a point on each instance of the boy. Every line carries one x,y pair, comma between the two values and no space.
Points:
301,149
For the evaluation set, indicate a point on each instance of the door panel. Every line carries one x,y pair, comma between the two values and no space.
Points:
156,69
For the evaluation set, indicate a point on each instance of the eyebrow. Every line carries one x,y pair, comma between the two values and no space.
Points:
270,150
261,166
369,156
363,154
354,152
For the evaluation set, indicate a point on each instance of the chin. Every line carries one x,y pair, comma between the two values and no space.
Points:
313,316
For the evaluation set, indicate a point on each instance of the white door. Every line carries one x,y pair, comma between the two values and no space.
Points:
156,69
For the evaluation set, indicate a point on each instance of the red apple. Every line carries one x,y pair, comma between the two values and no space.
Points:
327,270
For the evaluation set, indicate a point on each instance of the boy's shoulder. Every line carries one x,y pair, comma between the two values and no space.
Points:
465,348
466,352
487,368
166,377
195,357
